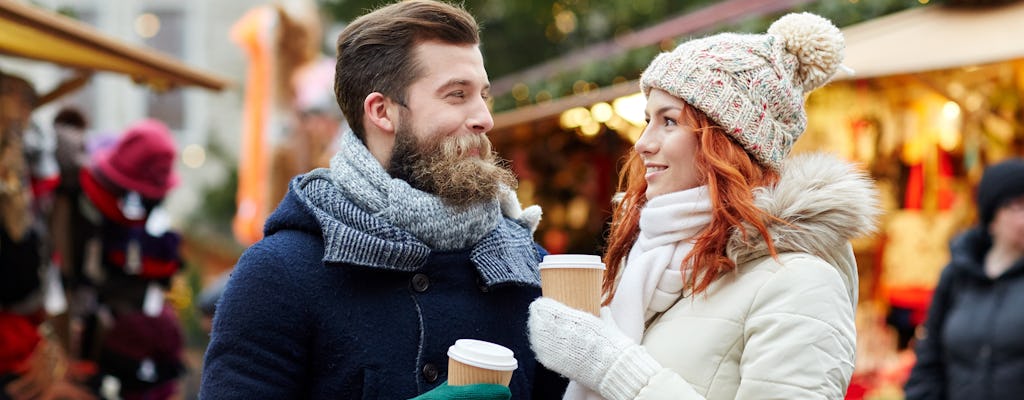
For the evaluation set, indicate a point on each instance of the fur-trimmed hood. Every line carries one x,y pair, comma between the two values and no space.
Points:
821,202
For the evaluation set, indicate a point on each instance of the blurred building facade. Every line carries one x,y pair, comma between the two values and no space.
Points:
196,32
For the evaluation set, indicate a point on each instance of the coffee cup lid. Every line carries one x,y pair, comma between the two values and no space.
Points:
483,354
572,261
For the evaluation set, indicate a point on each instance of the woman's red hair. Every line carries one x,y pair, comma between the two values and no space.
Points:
731,175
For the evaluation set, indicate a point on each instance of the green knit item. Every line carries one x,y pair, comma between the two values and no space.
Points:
479,391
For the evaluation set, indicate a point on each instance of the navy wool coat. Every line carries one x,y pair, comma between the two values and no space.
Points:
291,324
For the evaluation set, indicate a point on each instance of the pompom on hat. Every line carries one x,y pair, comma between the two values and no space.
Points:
753,86
142,160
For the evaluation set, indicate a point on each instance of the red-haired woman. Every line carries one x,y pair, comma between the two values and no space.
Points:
730,274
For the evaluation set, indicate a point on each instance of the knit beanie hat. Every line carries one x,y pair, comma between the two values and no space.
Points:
753,86
1000,183
142,160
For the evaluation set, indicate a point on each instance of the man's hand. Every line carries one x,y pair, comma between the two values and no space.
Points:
480,391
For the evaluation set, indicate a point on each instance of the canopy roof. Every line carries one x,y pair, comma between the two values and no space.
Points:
35,33
917,40
934,38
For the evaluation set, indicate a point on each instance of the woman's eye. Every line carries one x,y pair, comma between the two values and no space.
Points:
670,122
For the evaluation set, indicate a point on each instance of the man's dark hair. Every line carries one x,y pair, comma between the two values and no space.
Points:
375,52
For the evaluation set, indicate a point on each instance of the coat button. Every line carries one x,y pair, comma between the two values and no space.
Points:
985,352
420,283
430,372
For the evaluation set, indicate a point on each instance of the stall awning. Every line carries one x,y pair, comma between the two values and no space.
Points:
555,107
934,38
34,33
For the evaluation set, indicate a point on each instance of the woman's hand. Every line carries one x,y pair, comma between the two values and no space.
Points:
591,351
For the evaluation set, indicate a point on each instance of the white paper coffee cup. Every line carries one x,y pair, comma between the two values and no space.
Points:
473,361
574,280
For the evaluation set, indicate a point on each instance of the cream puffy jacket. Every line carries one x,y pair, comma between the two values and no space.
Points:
775,328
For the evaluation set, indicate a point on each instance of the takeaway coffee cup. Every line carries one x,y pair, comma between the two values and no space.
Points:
574,280
475,361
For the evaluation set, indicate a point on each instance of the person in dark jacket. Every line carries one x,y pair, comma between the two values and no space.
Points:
972,346
412,239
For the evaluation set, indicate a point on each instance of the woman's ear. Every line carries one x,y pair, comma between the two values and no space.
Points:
377,112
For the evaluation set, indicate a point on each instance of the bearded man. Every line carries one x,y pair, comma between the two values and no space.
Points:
412,239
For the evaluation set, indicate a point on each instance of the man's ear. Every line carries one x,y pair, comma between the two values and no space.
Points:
378,112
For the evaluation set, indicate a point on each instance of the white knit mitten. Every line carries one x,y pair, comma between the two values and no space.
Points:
592,352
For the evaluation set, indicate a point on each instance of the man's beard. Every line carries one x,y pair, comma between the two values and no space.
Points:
444,167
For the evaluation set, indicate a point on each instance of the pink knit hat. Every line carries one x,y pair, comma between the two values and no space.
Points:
142,160
753,86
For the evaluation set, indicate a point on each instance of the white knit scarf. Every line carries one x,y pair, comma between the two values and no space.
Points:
651,280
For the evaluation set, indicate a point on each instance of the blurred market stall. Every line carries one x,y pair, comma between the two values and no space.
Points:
35,33
64,213
936,95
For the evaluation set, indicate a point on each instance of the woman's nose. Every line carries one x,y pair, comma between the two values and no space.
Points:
645,144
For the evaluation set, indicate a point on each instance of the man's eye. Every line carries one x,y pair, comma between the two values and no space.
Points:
458,93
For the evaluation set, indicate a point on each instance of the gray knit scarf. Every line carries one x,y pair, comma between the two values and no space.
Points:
365,182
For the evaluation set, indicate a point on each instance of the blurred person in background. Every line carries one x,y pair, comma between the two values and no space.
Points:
287,101
413,238
971,346
730,272
69,127
20,240
314,137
